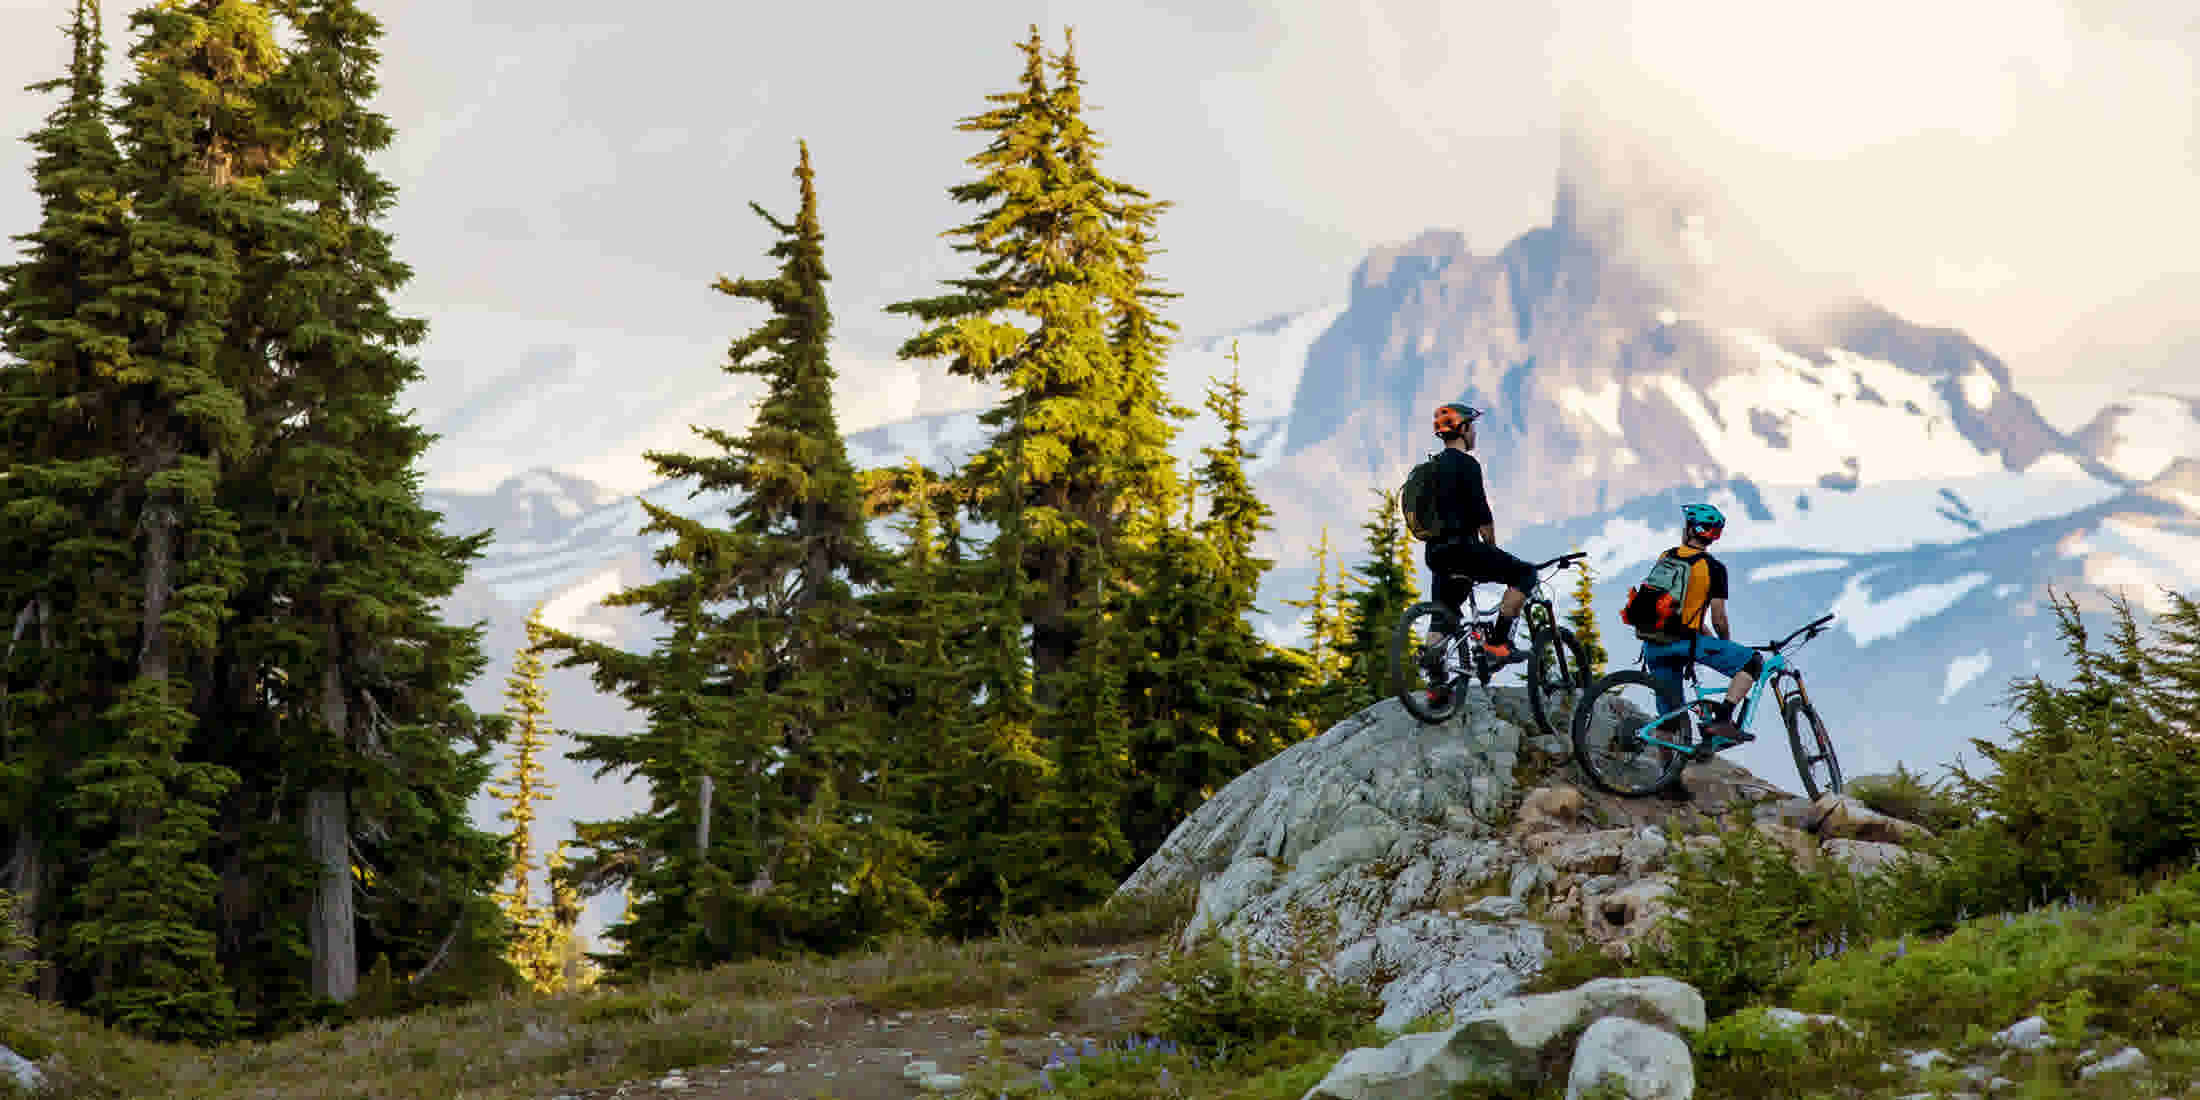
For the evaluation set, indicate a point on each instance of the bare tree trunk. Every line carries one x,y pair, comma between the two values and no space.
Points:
159,524
328,835
702,818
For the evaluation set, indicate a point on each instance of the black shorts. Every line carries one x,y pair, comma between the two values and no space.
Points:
1475,559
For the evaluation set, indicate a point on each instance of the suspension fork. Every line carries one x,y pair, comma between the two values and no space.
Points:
1787,687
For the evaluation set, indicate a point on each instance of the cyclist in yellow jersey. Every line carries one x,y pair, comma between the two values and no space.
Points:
1704,604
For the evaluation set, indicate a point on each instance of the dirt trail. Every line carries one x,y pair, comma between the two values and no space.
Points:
844,1050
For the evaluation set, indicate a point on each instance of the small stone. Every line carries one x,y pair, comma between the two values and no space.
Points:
983,1033
917,1071
775,1068
1925,1060
2029,1033
2125,1059
903,1015
672,1083
760,1050
1499,907
943,1082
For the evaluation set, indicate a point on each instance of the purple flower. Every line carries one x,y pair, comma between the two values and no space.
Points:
1047,1080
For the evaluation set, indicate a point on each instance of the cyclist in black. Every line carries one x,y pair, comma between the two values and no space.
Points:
1467,543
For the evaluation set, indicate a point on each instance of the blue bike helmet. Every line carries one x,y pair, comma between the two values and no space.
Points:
1702,521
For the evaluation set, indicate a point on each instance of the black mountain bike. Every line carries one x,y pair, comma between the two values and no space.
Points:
1557,672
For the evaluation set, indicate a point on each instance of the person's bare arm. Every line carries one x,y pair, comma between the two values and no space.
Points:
1488,533
1718,620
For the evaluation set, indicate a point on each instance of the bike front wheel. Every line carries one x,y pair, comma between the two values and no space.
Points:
1608,728
1558,675
1427,698
1814,756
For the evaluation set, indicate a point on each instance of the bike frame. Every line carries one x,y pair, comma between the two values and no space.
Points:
1780,672
1537,597
1777,668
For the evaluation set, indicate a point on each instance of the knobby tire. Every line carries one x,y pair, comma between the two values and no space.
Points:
1587,760
1811,745
1405,661
1555,662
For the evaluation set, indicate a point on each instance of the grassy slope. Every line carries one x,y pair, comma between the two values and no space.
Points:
2125,975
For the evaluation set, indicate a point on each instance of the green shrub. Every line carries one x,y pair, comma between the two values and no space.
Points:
1911,797
2100,784
2133,971
1748,919
1220,999
1749,1054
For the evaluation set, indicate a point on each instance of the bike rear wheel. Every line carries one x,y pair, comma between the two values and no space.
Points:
1558,675
1606,732
1415,689
1815,760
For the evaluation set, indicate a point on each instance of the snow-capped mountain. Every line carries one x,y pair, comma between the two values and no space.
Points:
1628,347
1928,636
2144,434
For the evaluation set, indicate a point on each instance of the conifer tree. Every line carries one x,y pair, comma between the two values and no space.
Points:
1324,692
1064,246
1583,619
1210,697
1085,853
196,153
533,949
757,697
571,969
348,563
57,445
1386,590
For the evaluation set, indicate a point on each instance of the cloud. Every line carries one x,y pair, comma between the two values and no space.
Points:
2007,168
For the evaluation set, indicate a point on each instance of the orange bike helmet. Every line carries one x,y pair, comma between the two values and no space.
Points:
1453,419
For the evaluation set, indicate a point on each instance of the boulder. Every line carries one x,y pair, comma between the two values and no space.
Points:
1409,1068
24,1072
1510,1042
1839,815
1434,962
1628,914
1548,808
1379,767
1648,1063
1866,857
1596,853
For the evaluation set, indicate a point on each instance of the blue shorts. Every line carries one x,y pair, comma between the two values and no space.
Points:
1669,659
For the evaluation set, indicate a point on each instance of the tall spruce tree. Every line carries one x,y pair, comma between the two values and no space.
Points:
1060,244
348,563
762,696
145,802
64,545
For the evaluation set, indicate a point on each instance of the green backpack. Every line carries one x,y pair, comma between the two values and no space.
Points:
1417,499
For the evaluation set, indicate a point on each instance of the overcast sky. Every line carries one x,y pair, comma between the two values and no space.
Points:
578,172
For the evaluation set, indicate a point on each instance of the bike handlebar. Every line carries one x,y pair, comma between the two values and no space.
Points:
1807,632
1563,560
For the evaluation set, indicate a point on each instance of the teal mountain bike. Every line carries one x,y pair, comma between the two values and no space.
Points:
1557,671
1631,742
